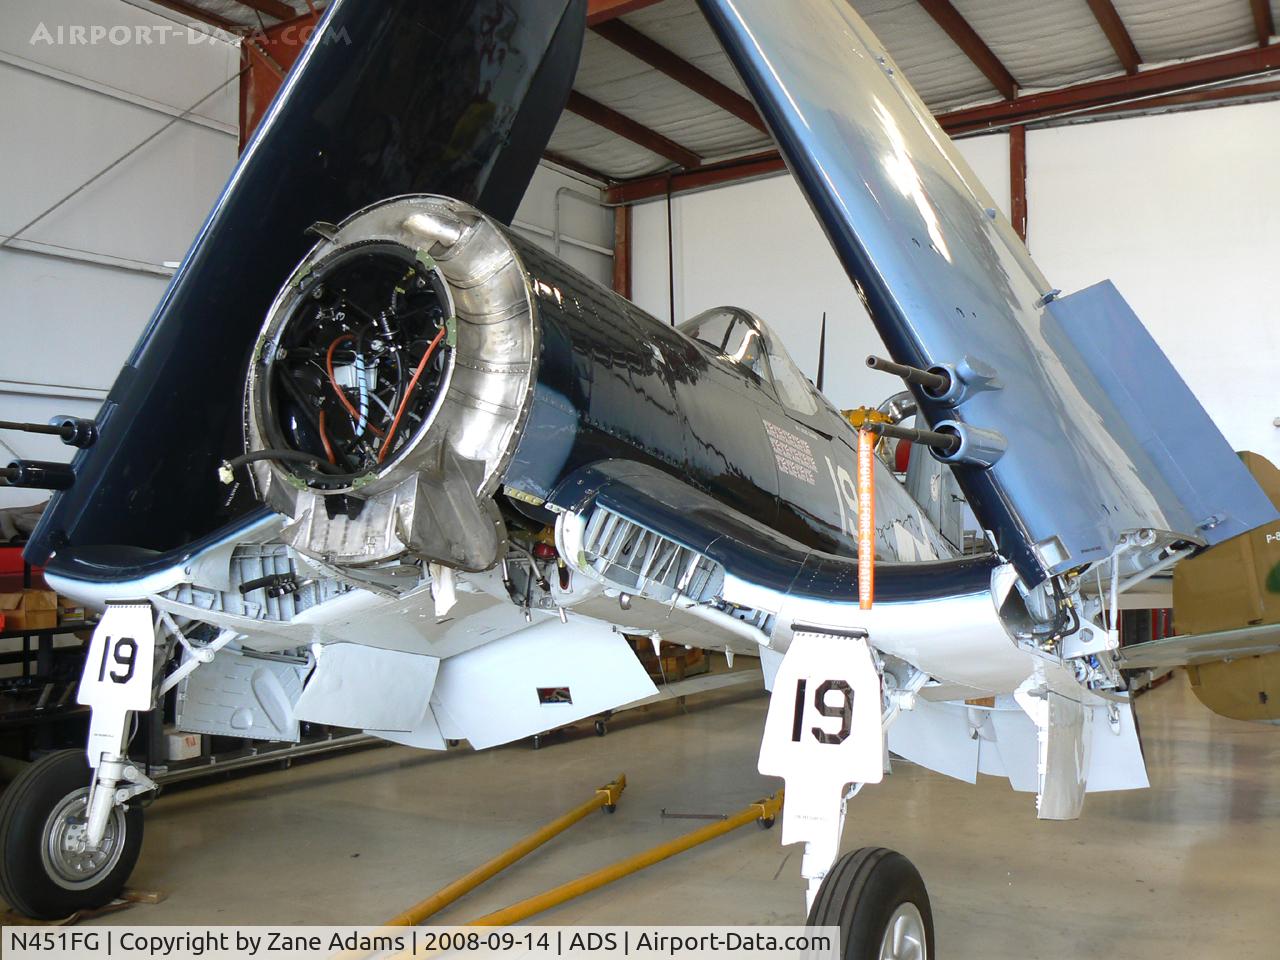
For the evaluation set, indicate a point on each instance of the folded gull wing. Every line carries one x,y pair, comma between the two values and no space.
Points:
1077,429
457,97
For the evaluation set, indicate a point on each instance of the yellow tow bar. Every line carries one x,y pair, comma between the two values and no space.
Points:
605,797
762,810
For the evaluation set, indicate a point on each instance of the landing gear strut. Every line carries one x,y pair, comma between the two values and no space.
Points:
48,870
878,900
875,896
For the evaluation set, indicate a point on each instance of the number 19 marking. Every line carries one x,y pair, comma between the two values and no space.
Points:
843,710
125,654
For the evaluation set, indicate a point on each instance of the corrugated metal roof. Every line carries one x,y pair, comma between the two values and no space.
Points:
243,15
679,26
1044,44
576,139
620,81
938,69
1175,29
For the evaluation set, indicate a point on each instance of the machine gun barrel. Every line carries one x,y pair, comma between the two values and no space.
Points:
71,430
935,383
944,443
39,474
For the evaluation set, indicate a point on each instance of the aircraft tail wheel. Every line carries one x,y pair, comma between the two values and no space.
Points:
46,870
878,900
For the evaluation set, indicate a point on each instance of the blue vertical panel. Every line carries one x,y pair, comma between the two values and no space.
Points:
1146,405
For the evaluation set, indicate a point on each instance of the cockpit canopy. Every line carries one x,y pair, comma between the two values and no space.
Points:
740,337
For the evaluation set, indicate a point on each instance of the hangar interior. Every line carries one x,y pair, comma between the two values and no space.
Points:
1130,140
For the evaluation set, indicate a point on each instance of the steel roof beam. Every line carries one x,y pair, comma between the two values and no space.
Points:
570,164
602,11
1212,95
711,175
1018,181
1263,22
1165,86
200,14
625,127
1100,93
270,8
973,46
649,51
1104,11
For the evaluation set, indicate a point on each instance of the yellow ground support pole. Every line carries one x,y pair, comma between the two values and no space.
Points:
606,796
765,810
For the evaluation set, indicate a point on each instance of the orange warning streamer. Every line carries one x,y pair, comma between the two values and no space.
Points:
866,518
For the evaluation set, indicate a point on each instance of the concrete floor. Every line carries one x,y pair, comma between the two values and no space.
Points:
1189,868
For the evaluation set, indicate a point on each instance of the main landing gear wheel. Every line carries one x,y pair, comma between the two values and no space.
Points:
878,900
46,870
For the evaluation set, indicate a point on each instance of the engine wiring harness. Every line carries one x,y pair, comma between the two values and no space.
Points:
356,368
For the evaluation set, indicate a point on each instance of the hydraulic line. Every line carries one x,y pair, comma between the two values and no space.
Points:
320,474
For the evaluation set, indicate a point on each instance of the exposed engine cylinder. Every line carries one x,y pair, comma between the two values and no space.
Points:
389,385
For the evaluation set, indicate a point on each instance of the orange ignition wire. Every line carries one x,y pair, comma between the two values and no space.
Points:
333,382
404,402
324,438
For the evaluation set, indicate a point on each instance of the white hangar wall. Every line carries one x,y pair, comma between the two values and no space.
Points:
1180,210
78,287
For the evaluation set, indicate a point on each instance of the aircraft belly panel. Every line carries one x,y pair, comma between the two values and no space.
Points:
936,736
368,688
955,639
672,624
406,623
241,695
948,282
539,678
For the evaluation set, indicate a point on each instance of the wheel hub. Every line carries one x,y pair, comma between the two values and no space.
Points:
68,858
904,936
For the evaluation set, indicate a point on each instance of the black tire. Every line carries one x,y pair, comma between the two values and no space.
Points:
601,728
861,895
28,882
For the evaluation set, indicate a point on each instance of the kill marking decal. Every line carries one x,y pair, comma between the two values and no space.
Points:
793,454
